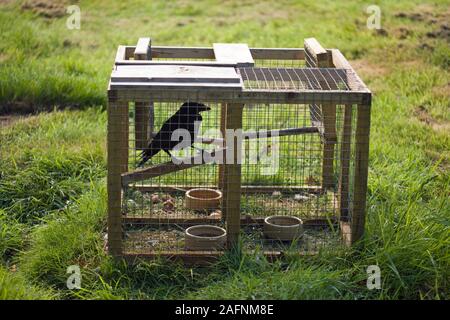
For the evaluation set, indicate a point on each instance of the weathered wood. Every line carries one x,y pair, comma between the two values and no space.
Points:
168,52
361,171
344,174
169,167
224,93
174,74
221,169
237,53
249,135
315,52
232,184
185,221
144,112
117,146
143,49
121,53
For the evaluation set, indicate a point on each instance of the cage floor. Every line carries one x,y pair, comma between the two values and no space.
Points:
171,239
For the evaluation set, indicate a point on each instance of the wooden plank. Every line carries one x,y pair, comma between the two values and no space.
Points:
248,220
144,112
361,171
249,135
177,74
244,189
221,169
170,52
237,53
143,49
344,174
225,93
232,176
116,146
315,53
199,63
168,167
121,53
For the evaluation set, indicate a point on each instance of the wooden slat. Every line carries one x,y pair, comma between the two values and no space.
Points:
117,146
361,171
317,53
143,49
228,92
168,167
199,63
237,53
221,169
346,140
232,176
174,74
169,52
144,112
245,221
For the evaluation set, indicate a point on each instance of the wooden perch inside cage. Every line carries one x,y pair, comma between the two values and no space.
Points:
201,158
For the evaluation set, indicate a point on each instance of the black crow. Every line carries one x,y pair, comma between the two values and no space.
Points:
184,118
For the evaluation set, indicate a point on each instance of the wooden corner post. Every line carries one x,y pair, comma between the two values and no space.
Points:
231,203
324,117
144,112
117,148
361,170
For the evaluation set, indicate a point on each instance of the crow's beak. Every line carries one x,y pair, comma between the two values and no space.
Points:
204,108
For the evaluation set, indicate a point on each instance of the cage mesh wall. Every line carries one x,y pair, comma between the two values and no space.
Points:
280,175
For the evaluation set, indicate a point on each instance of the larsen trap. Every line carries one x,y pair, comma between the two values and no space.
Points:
209,148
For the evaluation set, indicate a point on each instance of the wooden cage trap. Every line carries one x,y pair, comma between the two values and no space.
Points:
304,115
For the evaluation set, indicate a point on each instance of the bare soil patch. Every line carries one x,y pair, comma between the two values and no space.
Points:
422,114
46,8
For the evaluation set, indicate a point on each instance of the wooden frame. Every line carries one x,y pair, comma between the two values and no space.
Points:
352,217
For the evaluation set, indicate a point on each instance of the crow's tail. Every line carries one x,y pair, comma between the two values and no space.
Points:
146,155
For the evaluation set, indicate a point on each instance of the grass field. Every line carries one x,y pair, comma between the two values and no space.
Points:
52,165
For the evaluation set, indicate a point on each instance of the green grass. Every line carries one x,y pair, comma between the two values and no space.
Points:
52,168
